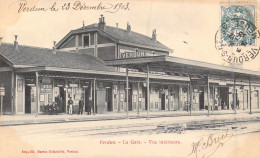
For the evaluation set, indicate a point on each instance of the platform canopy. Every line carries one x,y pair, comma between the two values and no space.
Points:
178,66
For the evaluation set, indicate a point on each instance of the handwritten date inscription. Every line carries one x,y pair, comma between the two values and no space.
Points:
23,6
208,145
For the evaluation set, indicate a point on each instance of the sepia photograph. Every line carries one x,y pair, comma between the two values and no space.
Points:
129,79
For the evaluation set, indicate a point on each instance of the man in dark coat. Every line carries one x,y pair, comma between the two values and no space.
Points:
80,106
61,104
89,107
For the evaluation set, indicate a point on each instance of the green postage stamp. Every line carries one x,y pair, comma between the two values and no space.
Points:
238,36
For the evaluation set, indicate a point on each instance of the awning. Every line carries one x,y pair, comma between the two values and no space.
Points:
178,66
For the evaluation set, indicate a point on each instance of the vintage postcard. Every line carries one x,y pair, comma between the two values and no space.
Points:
129,78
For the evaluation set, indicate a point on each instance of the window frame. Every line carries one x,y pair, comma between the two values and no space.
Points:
83,40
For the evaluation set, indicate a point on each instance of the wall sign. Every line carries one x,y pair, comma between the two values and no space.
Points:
46,88
74,85
121,97
46,80
124,53
2,91
19,85
42,98
222,83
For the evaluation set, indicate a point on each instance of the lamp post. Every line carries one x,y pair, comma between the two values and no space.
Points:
148,93
37,92
127,97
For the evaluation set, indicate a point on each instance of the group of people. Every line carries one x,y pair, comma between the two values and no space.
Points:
224,105
54,107
81,105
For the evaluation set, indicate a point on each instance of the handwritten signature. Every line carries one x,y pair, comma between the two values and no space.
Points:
24,6
207,146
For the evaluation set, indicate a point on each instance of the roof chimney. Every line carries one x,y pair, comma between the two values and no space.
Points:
15,42
83,24
101,23
1,38
54,47
128,28
154,35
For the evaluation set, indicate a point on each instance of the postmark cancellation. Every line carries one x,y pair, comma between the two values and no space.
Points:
237,39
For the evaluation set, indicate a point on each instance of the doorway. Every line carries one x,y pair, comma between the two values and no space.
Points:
130,94
63,99
245,99
109,99
163,101
144,92
201,100
27,99
224,97
87,98
255,99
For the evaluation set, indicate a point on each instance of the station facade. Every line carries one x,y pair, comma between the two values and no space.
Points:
76,67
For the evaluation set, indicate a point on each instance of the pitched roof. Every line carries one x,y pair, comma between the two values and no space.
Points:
122,36
35,56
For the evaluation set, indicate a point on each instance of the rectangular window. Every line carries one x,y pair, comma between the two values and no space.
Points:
86,40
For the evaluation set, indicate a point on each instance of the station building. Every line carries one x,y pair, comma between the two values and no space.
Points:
118,70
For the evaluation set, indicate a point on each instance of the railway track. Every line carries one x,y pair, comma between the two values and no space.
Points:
138,128
167,128
86,119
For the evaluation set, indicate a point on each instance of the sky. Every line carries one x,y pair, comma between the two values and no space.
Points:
187,27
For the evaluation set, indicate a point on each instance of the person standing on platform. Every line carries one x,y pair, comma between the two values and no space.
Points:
61,104
80,106
89,107
70,103
238,104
